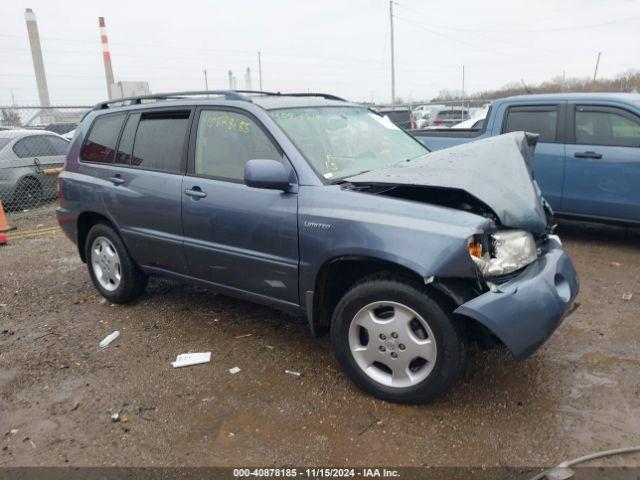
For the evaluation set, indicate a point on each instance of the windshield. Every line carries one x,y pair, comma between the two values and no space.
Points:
4,141
342,141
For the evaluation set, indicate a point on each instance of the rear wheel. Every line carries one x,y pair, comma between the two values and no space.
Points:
113,272
396,342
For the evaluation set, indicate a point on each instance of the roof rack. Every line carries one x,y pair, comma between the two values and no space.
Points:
327,96
227,94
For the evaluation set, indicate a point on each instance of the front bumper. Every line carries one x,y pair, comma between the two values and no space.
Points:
524,311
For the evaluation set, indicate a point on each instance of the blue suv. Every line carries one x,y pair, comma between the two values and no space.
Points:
327,210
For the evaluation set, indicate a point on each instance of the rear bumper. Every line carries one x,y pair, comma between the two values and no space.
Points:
524,311
68,222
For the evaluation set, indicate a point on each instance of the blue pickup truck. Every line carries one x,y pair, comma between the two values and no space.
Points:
587,161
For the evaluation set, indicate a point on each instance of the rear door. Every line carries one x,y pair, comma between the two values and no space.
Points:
236,236
142,180
603,163
548,122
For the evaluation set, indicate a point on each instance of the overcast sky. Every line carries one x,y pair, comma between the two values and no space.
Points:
341,47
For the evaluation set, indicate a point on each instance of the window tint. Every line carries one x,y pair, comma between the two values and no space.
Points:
159,141
541,121
598,127
226,141
101,144
125,148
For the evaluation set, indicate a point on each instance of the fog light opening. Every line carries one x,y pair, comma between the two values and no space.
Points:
562,287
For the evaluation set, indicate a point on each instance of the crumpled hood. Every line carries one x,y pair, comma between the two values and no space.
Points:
496,170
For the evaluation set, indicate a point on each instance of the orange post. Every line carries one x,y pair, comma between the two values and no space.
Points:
4,225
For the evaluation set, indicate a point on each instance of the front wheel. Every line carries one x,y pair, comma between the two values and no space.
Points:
396,342
112,270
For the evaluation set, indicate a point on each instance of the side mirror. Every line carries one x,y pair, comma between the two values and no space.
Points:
269,174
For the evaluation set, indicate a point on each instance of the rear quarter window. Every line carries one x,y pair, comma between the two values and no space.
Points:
100,146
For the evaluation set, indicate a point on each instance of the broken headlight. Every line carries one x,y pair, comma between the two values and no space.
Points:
502,252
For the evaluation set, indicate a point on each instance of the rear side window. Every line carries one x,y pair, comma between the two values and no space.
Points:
540,120
606,126
40,146
160,140
226,141
100,146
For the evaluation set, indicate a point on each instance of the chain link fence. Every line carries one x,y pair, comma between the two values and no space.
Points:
34,141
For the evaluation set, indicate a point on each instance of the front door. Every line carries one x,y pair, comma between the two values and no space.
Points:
602,176
239,237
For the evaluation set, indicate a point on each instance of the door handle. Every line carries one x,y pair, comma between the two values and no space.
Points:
195,192
587,155
116,179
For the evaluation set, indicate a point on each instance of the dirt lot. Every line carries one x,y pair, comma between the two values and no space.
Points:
580,393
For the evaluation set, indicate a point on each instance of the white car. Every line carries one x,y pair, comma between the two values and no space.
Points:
474,123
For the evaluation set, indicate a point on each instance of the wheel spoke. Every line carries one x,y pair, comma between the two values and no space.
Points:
400,369
367,353
367,319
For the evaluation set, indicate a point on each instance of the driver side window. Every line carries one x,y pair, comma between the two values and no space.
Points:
226,141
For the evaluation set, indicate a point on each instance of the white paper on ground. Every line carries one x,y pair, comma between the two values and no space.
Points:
187,359
234,370
109,338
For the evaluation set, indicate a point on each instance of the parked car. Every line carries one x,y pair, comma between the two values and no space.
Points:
587,161
402,117
475,122
327,210
60,128
425,113
23,156
449,117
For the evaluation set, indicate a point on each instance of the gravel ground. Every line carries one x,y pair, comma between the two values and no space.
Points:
58,391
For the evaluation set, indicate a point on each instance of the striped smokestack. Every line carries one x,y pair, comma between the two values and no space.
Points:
106,56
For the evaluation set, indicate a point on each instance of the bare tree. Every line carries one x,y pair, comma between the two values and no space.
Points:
10,118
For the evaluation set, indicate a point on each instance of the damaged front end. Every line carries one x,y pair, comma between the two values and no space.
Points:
492,177
524,282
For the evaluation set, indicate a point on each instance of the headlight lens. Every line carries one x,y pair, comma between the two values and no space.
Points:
502,252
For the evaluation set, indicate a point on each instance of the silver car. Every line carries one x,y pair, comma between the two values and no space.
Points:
24,155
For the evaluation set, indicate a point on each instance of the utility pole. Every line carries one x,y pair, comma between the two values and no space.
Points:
206,82
260,69
462,113
393,60
595,73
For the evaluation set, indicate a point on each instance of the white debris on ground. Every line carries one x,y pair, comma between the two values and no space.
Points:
109,338
188,359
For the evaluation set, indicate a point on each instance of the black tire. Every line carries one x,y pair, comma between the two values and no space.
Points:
449,339
28,194
132,282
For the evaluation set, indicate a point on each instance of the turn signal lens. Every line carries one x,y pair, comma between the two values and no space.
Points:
475,249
